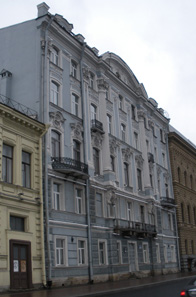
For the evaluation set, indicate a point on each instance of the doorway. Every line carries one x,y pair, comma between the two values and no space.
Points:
20,265
133,258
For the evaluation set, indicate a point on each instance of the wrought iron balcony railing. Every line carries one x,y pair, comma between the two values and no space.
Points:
97,126
168,202
69,165
135,228
19,107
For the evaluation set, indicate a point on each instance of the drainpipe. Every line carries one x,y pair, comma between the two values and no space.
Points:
86,161
177,238
42,213
45,120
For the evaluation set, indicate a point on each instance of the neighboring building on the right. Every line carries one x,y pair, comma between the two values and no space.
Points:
183,166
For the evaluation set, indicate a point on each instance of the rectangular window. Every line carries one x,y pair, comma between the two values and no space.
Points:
158,258
82,252
123,132
112,162
92,77
133,114
60,251
173,253
75,104
139,179
99,205
93,112
163,160
54,56
56,196
119,252
120,102
129,211
54,93
170,221
165,253
145,253
126,175
76,150
74,69
55,142
136,140
109,122
17,223
26,169
102,253
96,161
111,210
7,170
79,206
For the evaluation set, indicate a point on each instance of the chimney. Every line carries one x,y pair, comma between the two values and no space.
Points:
42,9
5,83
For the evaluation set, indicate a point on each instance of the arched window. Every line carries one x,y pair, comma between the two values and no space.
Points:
55,139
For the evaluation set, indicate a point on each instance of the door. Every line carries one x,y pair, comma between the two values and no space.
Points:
20,265
132,257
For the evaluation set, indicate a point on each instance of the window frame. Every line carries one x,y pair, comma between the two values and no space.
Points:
96,161
123,132
79,201
76,150
74,69
54,55
82,252
103,251
93,111
75,104
7,167
126,174
55,144
145,253
55,92
65,256
109,123
158,256
119,251
16,219
26,172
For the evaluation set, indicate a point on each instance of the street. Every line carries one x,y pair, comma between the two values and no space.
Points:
170,288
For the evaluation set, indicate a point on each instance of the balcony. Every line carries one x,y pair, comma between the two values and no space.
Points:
97,126
141,230
167,202
70,166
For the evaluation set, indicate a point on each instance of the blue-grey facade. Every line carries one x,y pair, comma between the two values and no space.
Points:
109,207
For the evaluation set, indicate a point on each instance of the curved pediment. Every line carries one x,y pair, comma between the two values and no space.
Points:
124,73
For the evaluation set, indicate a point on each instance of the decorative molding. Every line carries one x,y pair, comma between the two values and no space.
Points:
140,161
97,140
57,119
77,131
126,153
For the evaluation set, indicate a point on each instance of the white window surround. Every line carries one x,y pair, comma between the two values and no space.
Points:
82,251
79,200
158,258
102,252
74,69
58,254
165,253
129,211
119,251
55,92
61,139
55,55
173,253
61,191
145,253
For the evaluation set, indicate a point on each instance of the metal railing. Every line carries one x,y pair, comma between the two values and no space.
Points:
167,201
18,106
137,227
63,163
95,124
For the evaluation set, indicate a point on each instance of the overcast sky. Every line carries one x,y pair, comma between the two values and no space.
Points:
156,38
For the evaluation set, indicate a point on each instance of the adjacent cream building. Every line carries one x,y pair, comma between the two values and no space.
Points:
21,205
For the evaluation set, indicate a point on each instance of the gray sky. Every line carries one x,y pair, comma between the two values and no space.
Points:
156,38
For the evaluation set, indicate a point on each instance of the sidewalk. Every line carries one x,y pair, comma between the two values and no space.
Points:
100,288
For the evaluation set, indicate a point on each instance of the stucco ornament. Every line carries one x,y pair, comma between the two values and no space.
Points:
77,130
114,144
111,197
97,139
139,161
57,119
141,114
85,72
126,153
102,84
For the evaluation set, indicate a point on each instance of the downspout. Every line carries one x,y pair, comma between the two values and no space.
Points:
42,212
45,120
86,161
177,237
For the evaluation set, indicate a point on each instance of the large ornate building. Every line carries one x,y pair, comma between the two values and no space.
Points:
22,257
109,207
183,165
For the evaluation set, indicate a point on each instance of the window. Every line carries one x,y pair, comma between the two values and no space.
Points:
142,215
166,190
99,205
54,93
55,138
54,56
145,253
136,140
112,162
7,170
76,150
188,214
145,123
161,135
185,178
56,196
163,160
102,253
182,212
129,211
194,214
82,252
26,169
158,258
17,223
139,179
123,132
92,77
170,221
119,252
120,102
93,112
133,114
96,161
60,252
111,210
151,180
79,201
74,69
165,253
173,253
179,174
109,123
191,181
126,175
75,104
